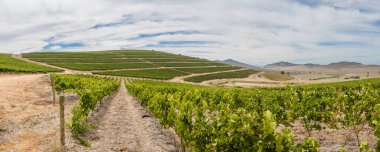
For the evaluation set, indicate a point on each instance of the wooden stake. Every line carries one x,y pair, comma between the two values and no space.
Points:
62,121
182,145
52,88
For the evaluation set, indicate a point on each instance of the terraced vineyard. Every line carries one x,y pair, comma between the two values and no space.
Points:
9,64
133,63
205,70
163,74
222,75
104,66
173,60
198,64
71,55
85,60
123,59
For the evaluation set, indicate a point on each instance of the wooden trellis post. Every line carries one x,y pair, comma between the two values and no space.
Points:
62,121
52,88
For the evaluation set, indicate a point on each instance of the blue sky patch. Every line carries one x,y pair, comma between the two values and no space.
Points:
376,23
365,10
180,44
126,19
361,32
106,25
131,19
62,45
311,3
187,32
340,43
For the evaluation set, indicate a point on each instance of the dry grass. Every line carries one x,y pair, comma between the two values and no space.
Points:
2,129
52,146
276,77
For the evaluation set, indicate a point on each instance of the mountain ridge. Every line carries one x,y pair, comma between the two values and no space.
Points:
238,64
334,65
281,64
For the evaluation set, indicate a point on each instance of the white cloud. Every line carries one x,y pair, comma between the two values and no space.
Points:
252,31
55,47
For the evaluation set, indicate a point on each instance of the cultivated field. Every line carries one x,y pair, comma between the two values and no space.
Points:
111,60
163,74
222,75
206,70
131,63
128,100
9,64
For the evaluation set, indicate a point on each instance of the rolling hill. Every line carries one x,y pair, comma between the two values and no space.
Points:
281,64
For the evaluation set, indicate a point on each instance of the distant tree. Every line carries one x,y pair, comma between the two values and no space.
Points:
367,74
282,72
288,73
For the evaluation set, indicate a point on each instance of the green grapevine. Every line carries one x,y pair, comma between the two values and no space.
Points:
90,91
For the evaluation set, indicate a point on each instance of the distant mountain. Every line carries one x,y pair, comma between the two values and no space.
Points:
311,65
281,64
343,64
337,65
239,64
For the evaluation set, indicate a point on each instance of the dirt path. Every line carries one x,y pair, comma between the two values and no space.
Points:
253,80
28,117
126,126
181,78
19,56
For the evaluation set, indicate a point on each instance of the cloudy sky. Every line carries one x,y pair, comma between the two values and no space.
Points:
252,31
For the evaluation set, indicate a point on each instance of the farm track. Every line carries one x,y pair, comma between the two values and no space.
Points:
123,125
18,56
252,81
181,79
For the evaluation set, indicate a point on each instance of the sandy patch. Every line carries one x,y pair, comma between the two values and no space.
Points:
28,118
334,139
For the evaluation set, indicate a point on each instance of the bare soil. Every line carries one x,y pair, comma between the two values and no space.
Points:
331,139
28,116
